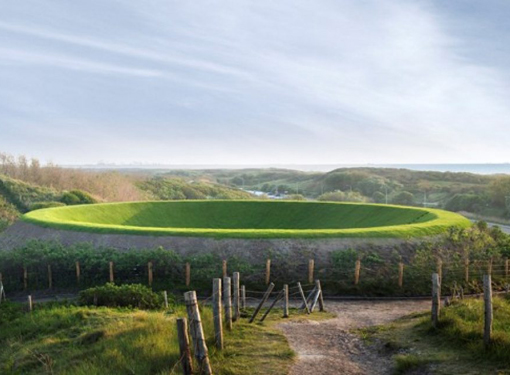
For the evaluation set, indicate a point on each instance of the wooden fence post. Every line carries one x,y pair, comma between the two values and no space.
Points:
506,268
188,274
185,352
316,295
439,269
227,302
224,268
30,303
278,297
217,314
197,332
78,273
268,271
401,275
466,270
50,277
25,278
487,297
149,272
111,273
236,302
165,297
311,265
261,303
357,269
285,301
243,297
303,297
436,299
321,296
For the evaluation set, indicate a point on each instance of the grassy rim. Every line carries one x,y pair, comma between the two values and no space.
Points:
442,221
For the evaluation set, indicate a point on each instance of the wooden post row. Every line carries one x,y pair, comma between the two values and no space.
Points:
149,273
185,352
217,314
357,269
436,299
78,273
111,273
197,333
50,278
268,271
488,311
237,297
227,302
311,266
188,274
224,268
401,275
285,301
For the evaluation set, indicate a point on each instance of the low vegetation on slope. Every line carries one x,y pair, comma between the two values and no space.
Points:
250,219
455,347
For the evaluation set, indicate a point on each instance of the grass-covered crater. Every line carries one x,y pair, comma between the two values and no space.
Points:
249,219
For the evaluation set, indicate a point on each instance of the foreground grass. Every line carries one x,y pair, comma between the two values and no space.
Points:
456,347
87,340
247,219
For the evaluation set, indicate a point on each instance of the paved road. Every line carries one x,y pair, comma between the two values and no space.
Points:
504,228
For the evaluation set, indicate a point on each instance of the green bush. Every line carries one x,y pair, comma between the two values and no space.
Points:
77,197
128,295
40,205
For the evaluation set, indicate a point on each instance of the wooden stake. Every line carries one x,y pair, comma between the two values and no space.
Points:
278,297
165,296
311,265
261,303
487,297
149,272
321,297
303,297
197,332
237,298
227,302
78,275
436,299
188,274
185,352
285,301
315,299
466,270
30,304
357,269
50,278
224,268
268,271
217,314
401,275
25,278
309,298
111,273
243,297
439,269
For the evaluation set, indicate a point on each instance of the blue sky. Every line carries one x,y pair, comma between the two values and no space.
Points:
255,82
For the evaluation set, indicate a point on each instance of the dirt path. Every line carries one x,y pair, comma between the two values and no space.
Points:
329,347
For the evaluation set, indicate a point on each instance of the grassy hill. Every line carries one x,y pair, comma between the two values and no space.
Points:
250,219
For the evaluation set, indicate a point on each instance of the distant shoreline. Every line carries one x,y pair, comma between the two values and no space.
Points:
502,168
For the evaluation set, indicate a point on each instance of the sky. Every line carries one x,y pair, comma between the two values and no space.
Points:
255,82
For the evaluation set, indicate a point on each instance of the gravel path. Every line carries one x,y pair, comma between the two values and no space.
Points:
329,347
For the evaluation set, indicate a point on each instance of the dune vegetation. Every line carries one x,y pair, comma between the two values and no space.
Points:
245,219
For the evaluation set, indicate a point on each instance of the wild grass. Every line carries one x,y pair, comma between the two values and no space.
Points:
249,219
74,340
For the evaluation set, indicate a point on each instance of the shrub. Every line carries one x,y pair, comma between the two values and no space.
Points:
128,295
40,205
77,197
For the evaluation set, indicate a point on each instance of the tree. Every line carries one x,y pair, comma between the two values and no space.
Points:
379,197
404,198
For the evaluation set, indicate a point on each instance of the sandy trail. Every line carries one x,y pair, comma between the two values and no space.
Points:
329,347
